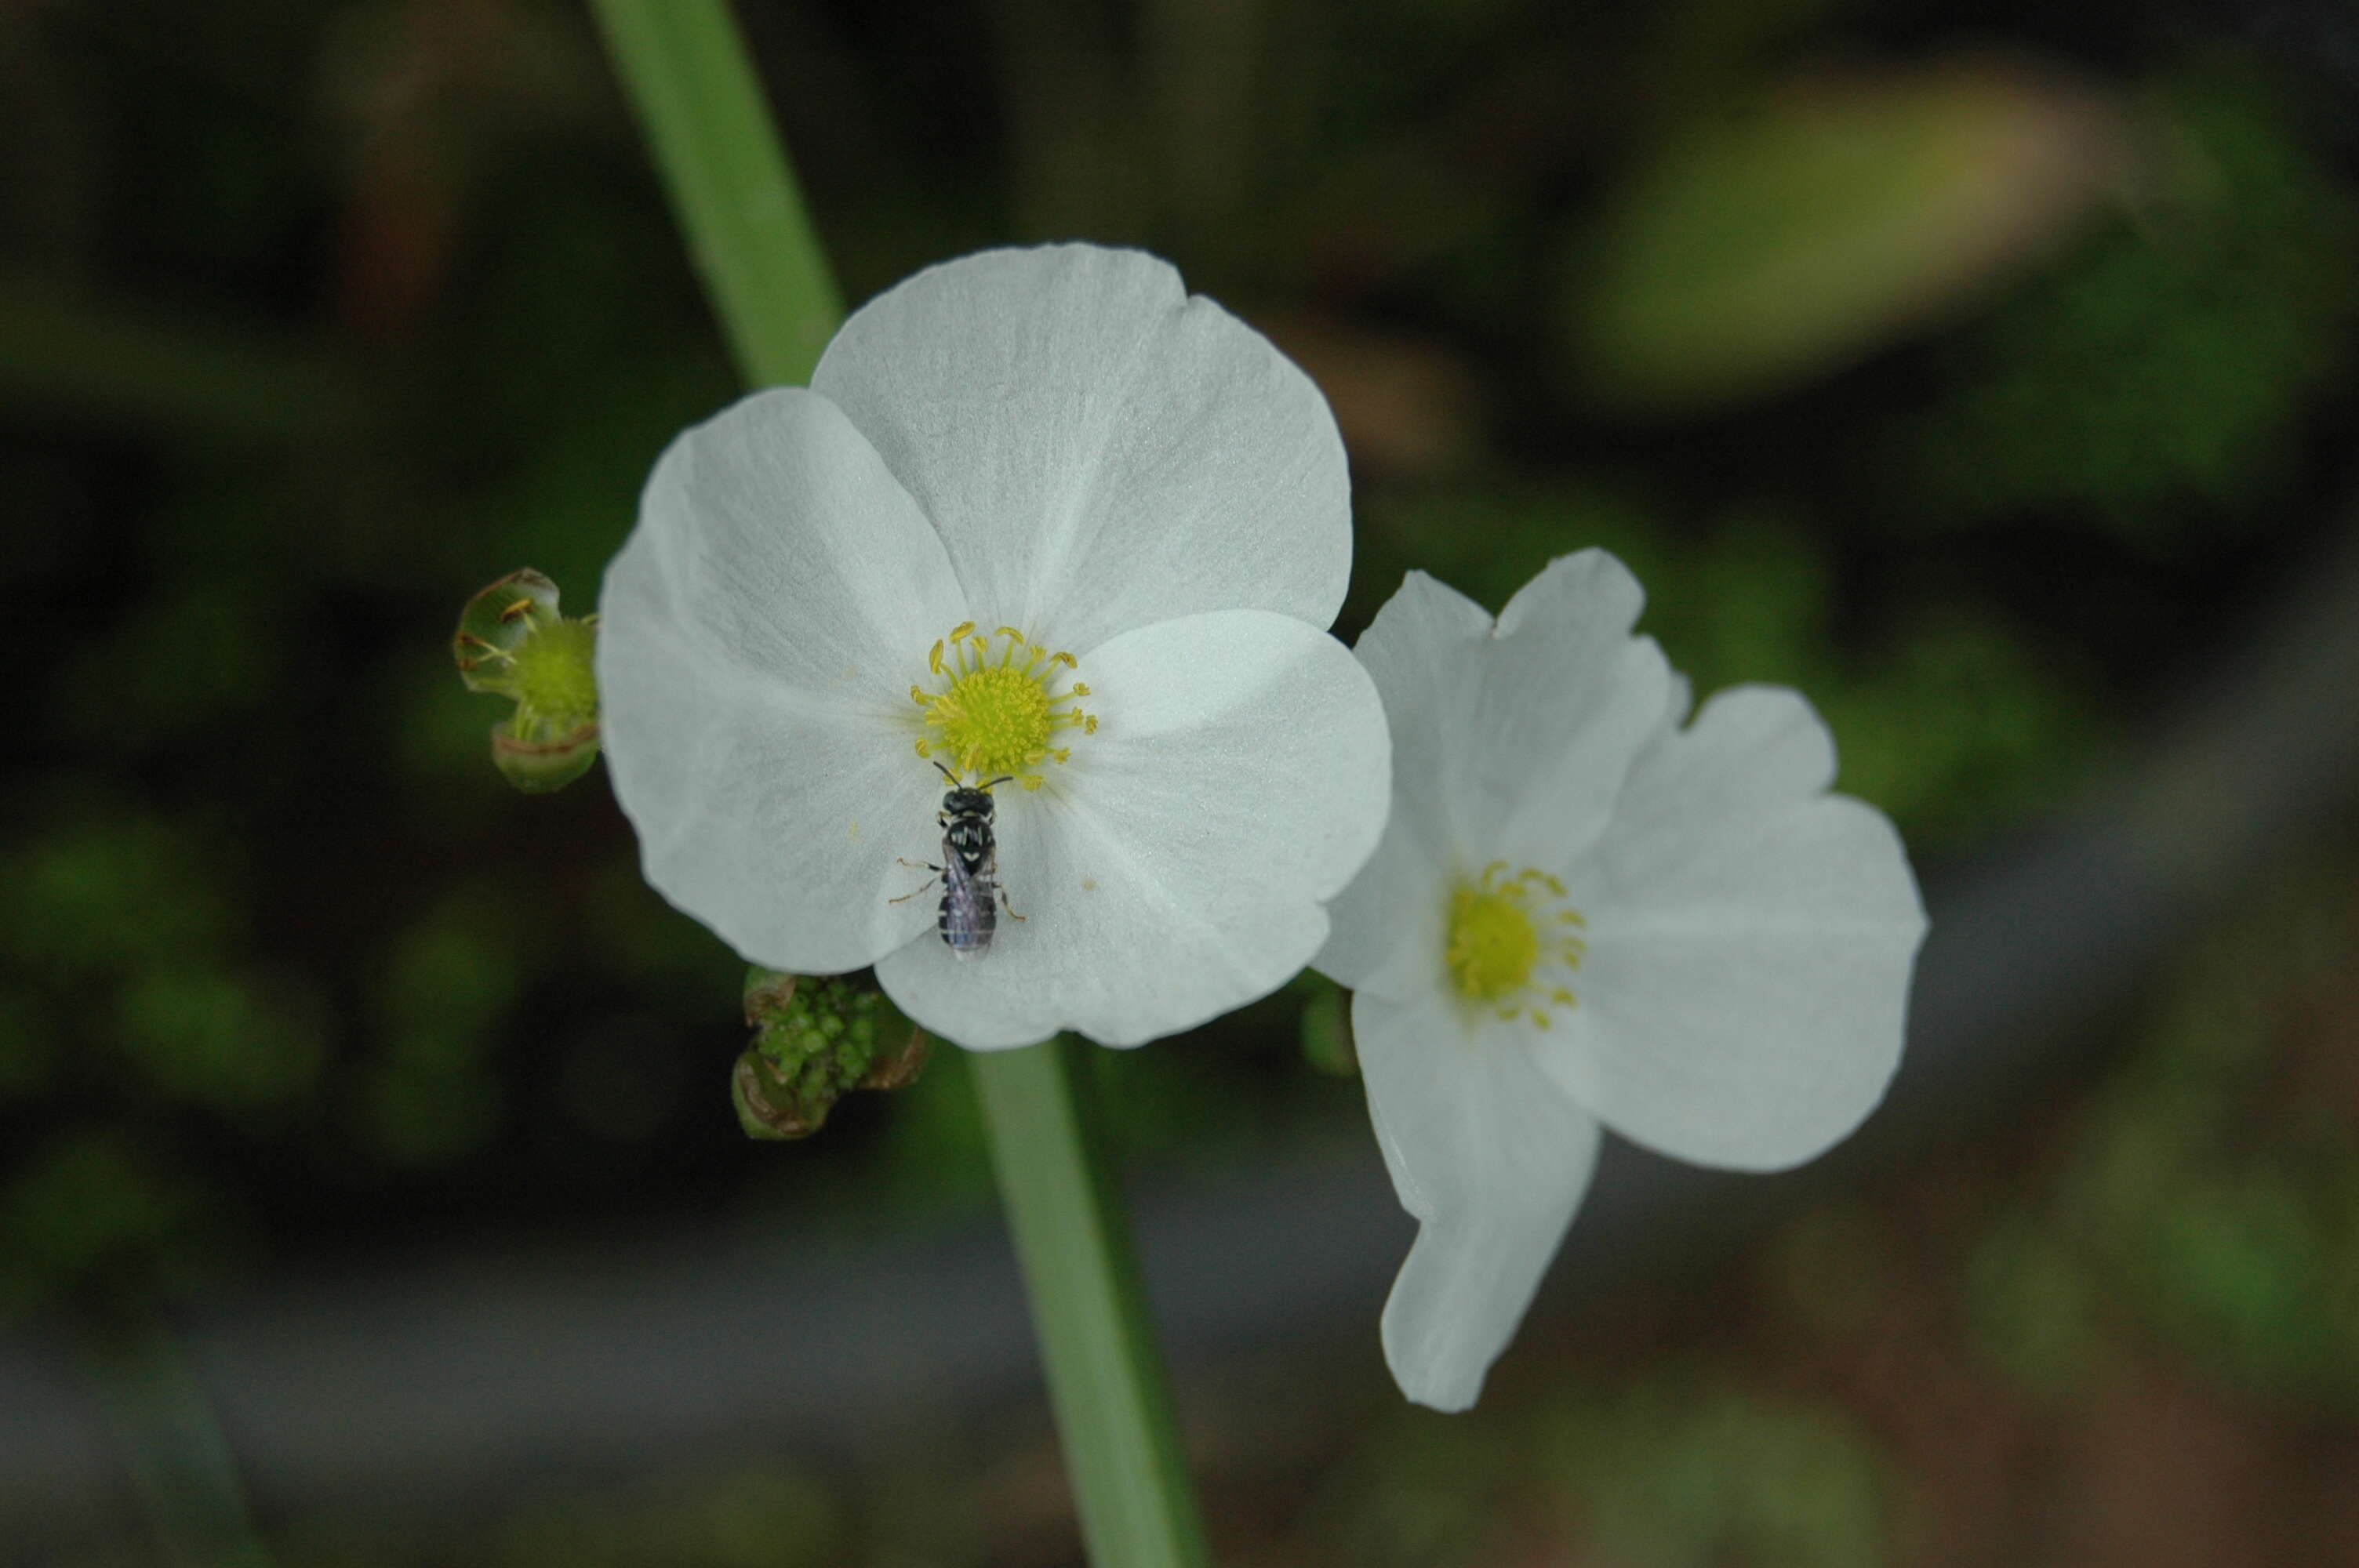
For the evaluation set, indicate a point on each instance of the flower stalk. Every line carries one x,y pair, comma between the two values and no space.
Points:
684,65
1114,1407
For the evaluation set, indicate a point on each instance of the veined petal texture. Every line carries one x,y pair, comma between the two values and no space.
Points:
753,656
1751,939
1098,450
1512,738
1491,1160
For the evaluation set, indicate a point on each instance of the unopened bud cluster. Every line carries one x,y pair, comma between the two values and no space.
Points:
815,1040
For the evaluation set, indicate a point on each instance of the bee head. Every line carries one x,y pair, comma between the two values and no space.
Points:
962,799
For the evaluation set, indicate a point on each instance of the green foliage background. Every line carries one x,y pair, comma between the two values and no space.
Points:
1983,389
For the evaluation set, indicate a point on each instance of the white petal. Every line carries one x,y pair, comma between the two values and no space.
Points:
758,634
1386,934
1750,945
1491,1160
1098,450
1511,741
783,545
1175,869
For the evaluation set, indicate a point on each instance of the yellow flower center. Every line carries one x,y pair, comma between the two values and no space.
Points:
991,718
1505,933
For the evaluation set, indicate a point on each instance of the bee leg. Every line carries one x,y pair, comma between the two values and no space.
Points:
917,866
1006,905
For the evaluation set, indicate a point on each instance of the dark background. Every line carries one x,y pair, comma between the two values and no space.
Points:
1986,371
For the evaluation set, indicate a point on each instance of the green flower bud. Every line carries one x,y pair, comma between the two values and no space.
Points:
815,1040
512,641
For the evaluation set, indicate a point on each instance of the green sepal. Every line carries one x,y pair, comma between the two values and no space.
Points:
496,623
539,767
816,1039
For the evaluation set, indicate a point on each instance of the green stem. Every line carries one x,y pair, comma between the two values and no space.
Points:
1105,1380
685,65
182,1471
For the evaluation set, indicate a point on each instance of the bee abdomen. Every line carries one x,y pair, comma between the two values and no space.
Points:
967,921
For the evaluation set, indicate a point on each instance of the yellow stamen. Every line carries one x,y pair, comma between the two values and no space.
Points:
989,717
1493,952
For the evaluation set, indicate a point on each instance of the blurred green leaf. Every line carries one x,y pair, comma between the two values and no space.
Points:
2170,360
134,364
1961,726
2223,1214
1677,1478
107,891
92,1210
2238,1266
2033,1307
449,981
30,1045
629,927
193,653
1835,214
1422,1491
198,1033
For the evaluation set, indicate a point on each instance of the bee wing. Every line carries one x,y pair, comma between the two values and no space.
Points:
968,916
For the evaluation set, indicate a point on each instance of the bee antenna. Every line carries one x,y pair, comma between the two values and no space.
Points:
1003,778
950,775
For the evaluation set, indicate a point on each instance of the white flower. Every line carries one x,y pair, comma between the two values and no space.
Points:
1040,515
1582,914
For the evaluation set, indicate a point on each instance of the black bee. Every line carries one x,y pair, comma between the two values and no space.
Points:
970,868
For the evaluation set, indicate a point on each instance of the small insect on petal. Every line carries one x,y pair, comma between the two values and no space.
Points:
969,913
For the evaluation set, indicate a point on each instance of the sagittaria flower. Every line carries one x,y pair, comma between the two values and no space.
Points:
1585,913
1040,518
